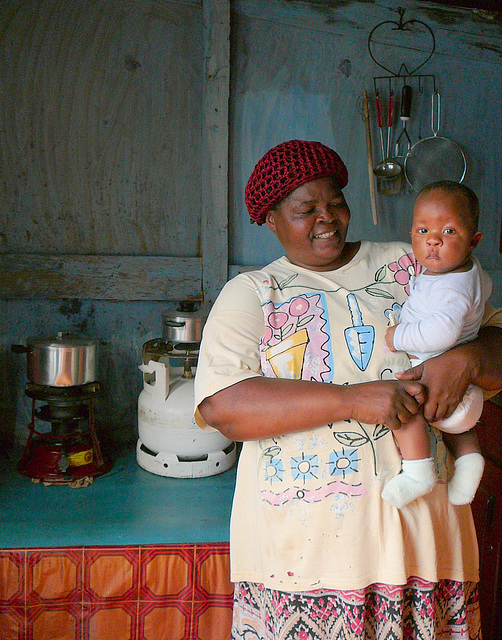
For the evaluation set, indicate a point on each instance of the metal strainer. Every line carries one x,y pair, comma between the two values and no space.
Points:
434,158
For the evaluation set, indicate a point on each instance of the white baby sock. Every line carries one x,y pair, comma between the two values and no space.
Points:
466,478
417,478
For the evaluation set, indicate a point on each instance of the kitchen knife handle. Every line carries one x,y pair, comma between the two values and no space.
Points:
406,102
390,115
379,109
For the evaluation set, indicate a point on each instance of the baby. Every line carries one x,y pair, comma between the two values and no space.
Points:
445,308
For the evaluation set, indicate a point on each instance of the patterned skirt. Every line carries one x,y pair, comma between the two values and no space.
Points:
419,610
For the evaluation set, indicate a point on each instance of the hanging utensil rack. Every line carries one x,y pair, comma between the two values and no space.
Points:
403,73
402,78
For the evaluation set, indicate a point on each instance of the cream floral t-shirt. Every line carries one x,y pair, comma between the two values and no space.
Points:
307,510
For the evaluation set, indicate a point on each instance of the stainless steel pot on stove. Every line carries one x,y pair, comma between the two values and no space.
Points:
183,327
61,361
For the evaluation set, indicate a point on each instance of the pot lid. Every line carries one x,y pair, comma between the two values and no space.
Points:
61,339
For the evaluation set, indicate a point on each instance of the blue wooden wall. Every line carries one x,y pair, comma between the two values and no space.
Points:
299,70
100,144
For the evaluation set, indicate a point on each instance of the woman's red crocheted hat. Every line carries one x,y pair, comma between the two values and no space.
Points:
286,167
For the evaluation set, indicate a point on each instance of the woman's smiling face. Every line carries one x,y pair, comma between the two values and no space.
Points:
311,224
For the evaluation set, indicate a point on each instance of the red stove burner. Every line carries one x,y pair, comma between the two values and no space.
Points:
68,451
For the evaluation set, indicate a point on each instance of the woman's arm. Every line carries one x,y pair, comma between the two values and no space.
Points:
447,376
260,408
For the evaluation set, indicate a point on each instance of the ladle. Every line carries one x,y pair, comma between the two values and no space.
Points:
387,168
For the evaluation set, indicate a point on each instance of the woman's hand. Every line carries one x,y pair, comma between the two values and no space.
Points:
446,380
388,402
447,376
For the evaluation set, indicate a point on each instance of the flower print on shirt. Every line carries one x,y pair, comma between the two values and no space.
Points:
296,343
306,472
393,314
304,467
274,470
405,269
343,462
351,439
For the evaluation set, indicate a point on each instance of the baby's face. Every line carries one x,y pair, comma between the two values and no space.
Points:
442,232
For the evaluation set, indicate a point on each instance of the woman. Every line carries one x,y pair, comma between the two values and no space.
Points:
293,363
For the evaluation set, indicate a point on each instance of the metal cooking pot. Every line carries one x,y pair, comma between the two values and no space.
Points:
63,361
183,326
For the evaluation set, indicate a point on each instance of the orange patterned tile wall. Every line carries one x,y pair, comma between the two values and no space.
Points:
167,592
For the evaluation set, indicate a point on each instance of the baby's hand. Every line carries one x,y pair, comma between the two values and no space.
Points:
389,338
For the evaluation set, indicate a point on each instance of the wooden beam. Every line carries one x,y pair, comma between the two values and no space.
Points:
91,277
216,79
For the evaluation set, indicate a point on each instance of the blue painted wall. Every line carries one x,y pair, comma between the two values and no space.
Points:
298,69
299,72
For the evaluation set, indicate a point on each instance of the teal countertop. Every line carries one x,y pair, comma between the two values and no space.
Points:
126,506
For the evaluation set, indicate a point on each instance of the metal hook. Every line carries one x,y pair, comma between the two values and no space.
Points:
401,11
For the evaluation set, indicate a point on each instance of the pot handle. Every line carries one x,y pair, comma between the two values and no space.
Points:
19,348
174,323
